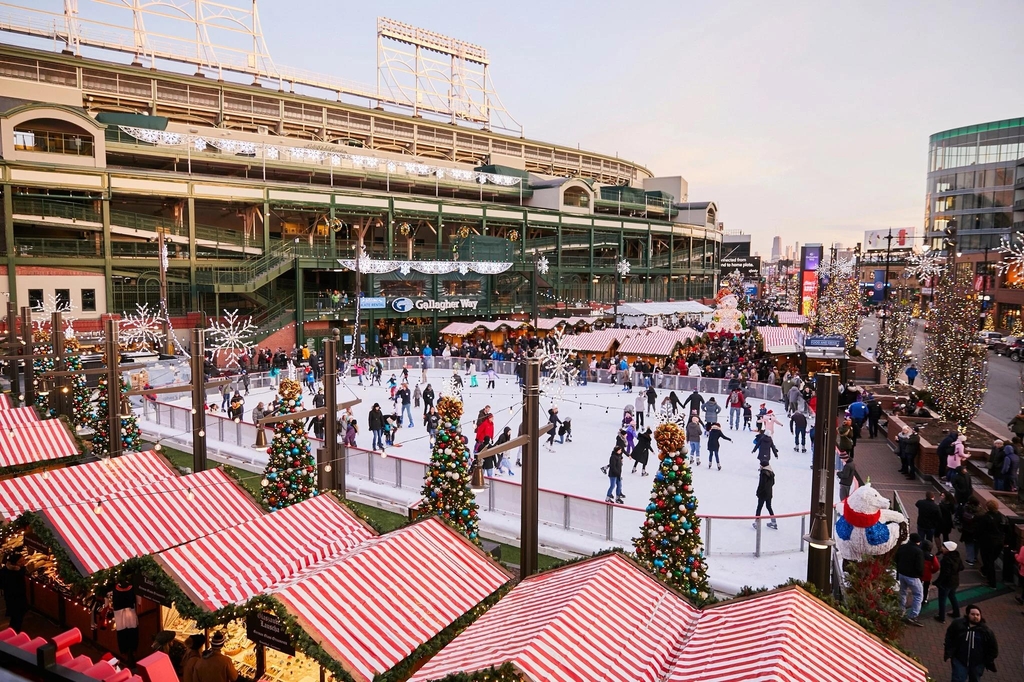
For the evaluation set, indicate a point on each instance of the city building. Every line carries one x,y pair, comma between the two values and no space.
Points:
259,192
776,248
976,181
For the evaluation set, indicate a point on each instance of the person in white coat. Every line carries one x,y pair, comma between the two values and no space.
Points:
769,422
640,403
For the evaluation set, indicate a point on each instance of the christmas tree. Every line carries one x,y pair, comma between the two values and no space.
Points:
446,490
839,303
896,341
873,594
670,544
957,362
81,404
131,436
290,476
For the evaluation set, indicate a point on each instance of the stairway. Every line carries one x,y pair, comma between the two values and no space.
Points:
250,274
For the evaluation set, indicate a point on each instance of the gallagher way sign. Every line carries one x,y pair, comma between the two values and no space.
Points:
405,305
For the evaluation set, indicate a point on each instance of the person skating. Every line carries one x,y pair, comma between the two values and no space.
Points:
970,646
748,415
735,401
715,435
642,452
711,411
948,580
765,484
694,431
428,399
909,571
798,427
764,446
694,401
375,422
615,475
554,420
565,431
638,404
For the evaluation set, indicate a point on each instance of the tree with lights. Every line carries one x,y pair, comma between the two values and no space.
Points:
131,436
670,544
957,363
839,303
290,475
446,486
80,398
895,343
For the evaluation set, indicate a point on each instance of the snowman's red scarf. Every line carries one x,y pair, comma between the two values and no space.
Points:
858,519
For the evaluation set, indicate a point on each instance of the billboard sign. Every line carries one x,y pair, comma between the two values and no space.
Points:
878,288
877,240
749,266
373,303
810,259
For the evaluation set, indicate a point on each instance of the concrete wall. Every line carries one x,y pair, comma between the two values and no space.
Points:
51,279
675,185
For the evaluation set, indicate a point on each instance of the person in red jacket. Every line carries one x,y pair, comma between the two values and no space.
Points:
931,567
485,429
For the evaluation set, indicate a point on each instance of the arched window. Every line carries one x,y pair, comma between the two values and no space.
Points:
576,196
52,136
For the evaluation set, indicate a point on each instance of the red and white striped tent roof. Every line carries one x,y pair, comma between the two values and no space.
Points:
549,323
782,340
656,341
148,519
607,619
460,328
18,415
495,325
789,317
373,606
5,402
233,565
600,619
786,635
35,442
80,483
597,341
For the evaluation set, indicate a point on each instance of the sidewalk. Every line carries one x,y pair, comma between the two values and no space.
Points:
876,460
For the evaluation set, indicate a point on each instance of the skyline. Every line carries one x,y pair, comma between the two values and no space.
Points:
804,121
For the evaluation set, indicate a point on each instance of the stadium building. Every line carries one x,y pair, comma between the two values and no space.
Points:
261,185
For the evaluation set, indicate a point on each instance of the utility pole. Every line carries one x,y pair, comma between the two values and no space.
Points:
332,456
12,344
984,289
60,398
165,320
198,401
529,514
885,284
27,350
112,357
819,556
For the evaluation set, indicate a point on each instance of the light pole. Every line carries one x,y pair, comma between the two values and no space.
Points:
984,289
819,557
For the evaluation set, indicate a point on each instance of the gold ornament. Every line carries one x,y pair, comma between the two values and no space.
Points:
449,408
404,229
290,389
670,437
513,235
463,231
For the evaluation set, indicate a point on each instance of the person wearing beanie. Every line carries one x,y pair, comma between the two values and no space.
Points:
193,652
950,567
989,534
909,571
765,486
970,646
214,665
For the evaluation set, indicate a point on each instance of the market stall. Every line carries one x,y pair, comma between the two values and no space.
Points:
16,416
657,342
601,343
605,618
788,318
25,445
5,402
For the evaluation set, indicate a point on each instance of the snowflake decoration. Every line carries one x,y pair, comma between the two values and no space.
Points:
666,416
452,387
405,268
623,267
144,328
232,336
842,268
557,362
47,308
925,266
463,269
1013,256
542,265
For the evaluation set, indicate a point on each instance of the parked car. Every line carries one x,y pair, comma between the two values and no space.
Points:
1003,345
990,338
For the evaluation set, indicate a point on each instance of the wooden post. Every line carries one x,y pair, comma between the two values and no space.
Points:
198,402
336,473
819,559
531,471
12,338
27,350
59,398
112,357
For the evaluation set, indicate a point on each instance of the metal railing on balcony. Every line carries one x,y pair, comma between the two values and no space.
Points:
50,208
251,273
52,142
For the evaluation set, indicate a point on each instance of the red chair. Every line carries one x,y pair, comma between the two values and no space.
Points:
64,641
157,667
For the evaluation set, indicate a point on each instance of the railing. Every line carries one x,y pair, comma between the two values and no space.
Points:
48,208
40,248
249,271
53,142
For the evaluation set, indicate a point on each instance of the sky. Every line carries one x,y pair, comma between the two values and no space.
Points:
808,120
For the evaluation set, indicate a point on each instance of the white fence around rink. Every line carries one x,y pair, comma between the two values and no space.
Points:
614,523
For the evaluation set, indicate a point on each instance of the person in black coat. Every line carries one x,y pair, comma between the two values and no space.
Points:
970,646
874,414
948,580
947,505
428,399
12,582
944,450
695,401
642,451
765,485
652,396
615,475
375,422
715,436
989,534
929,516
554,420
962,486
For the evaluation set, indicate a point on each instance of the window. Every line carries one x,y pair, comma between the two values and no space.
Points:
455,287
24,139
35,298
63,298
88,300
403,287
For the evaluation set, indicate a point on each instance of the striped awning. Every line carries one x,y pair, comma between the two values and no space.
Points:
373,606
597,341
460,328
549,323
34,442
789,317
601,619
786,635
5,402
236,564
18,415
148,519
91,481
660,343
782,340
606,619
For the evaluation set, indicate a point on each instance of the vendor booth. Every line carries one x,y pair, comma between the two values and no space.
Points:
601,343
825,354
657,342
605,618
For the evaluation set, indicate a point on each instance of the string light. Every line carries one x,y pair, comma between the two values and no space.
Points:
98,509
190,495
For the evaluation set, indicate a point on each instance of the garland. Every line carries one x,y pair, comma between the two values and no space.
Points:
506,673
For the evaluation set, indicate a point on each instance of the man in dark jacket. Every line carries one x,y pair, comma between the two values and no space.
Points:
989,532
798,427
944,450
615,475
929,516
909,570
405,396
874,414
764,446
948,580
375,421
970,646
962,486
428,399
765,486
695,401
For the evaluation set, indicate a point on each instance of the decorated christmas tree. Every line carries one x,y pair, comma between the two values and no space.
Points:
670,544
81,404
446,490
290,476
131,436
838,311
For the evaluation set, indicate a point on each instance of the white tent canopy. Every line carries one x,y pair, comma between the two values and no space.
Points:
664,308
